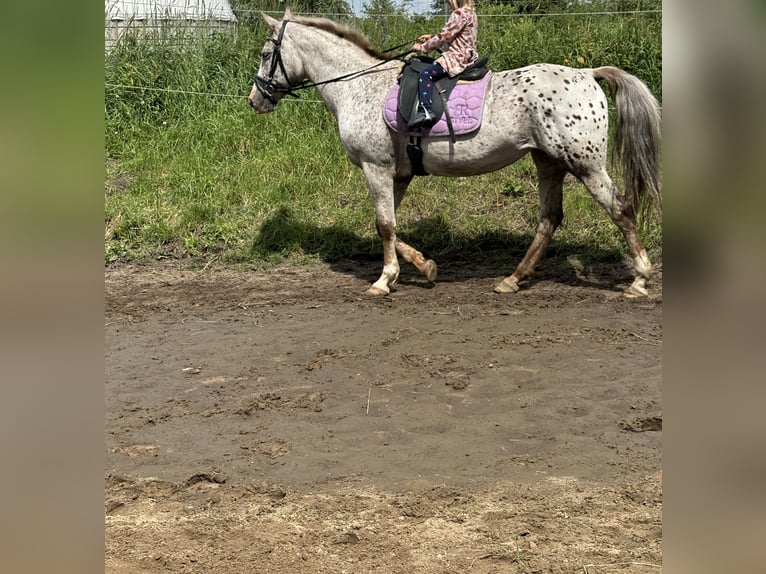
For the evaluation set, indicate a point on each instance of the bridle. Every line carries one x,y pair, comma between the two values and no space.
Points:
268,88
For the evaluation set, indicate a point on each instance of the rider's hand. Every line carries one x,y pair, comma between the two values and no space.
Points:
424,38
417,47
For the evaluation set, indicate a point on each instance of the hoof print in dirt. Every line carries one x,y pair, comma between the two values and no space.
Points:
205,477
455,379
347,538
642,424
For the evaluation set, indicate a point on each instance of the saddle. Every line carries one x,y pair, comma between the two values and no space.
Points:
407,98
402,101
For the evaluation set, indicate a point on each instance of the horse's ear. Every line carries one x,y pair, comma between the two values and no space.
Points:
288,13
271,22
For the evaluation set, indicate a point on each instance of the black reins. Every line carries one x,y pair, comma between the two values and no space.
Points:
268,88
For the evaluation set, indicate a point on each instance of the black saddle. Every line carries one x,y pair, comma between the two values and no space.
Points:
407,99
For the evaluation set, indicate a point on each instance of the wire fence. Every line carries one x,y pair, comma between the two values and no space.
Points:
181,26
174,91
479,14
183,33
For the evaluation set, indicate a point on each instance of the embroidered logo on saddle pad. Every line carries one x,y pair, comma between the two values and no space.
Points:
466,108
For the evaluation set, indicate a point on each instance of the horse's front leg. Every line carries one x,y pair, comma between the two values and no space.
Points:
380,182
411,255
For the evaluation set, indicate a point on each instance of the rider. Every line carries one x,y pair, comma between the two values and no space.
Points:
458,38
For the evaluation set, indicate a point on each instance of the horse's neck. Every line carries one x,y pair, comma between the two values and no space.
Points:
325,59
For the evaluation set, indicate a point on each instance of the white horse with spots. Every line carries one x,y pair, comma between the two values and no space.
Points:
557,114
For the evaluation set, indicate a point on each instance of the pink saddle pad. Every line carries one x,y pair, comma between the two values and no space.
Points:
466,108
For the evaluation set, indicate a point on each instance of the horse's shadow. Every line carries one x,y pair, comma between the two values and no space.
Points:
492,254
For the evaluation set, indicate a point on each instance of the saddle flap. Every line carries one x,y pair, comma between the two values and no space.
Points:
408,87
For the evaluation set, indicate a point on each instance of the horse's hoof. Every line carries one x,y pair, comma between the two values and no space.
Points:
637,289
429,270
376,291
506,286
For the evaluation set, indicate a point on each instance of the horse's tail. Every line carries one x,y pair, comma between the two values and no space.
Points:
637,136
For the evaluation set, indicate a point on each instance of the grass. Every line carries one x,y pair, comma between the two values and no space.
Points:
199,176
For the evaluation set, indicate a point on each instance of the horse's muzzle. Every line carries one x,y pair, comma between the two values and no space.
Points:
259,104
260,101
251,101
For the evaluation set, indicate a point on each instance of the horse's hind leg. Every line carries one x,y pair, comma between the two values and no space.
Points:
623,215
550,175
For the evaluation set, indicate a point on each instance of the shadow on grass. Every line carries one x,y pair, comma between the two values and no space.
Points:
490,254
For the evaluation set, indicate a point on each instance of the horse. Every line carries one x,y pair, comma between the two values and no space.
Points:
557,114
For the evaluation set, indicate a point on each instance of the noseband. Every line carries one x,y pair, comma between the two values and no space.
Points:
266,86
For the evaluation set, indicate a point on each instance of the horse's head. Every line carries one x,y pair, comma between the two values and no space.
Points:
280,70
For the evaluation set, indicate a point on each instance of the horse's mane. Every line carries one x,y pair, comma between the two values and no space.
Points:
353,36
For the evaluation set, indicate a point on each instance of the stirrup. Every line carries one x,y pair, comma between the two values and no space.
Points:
423,118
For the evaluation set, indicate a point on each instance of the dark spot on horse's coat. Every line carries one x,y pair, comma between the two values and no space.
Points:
567,81
577,117
540,95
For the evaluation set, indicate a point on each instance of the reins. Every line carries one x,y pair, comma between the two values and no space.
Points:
268,88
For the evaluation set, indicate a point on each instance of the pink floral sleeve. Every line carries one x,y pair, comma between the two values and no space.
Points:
459,38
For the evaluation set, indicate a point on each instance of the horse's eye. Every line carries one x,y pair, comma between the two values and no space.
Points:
265,56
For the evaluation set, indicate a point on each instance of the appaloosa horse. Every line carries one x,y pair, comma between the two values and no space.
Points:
556,113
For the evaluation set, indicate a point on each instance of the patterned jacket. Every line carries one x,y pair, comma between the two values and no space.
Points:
459,38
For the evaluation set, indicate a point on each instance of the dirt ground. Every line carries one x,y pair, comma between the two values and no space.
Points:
281,421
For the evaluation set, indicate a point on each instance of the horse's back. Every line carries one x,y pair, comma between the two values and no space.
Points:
560,110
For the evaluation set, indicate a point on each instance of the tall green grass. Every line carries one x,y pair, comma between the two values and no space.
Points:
192,172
